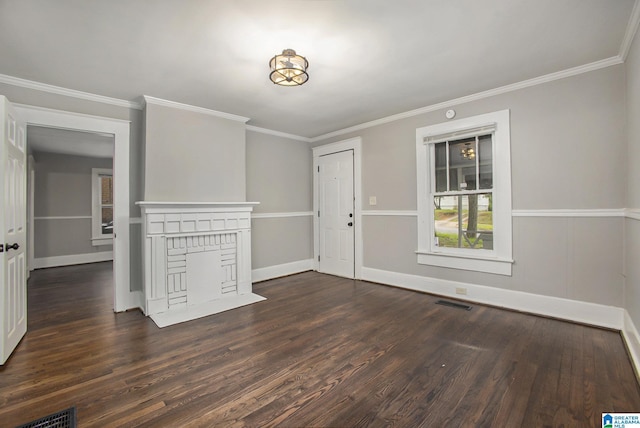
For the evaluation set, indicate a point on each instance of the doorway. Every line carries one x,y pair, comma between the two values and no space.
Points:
70,197
36,116
337,208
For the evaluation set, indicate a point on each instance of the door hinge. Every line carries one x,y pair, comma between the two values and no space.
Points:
318,258
318,213
318,168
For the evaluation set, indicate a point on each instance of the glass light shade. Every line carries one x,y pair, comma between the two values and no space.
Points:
289,69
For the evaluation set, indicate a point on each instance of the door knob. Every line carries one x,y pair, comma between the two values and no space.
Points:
15,246
350,223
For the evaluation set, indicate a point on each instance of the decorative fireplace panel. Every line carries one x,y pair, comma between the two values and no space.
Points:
195,253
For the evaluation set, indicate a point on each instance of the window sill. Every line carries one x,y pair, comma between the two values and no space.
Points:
97,242
498,266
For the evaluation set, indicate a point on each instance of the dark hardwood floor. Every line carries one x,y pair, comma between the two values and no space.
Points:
321,351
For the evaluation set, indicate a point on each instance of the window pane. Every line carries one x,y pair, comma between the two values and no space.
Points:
462,160
441,167
106,189
485,158
464,221
107,220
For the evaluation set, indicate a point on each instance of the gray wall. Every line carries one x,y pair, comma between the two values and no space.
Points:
193,157
632,226
279,176
63,189
568,149
33,97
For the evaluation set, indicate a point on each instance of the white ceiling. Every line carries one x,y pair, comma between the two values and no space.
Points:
64,141
368,58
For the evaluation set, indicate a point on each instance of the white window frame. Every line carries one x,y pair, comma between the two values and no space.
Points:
500,259
97,237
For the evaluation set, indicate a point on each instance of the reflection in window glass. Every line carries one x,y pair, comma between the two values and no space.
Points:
462,163
485,158
441,167
107,220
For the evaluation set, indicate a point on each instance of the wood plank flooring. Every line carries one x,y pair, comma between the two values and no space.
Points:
321,351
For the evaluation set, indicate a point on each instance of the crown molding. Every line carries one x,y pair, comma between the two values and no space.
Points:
615,60
30,84
278,133
69,113
166,103
630,33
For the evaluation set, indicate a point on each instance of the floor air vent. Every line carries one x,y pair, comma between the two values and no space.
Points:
453,305
64,419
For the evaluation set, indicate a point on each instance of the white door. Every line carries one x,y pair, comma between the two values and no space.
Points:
336,216
13,194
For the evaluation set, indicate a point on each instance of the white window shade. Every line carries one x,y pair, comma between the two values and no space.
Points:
458,135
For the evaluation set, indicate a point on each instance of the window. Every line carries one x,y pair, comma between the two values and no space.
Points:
102,206
464,194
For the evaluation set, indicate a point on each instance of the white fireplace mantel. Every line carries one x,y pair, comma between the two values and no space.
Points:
248,206
195,253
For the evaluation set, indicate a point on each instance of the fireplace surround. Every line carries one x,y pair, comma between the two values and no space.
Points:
195,253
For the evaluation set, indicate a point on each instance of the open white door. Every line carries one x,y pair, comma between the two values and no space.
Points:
13,231
336,217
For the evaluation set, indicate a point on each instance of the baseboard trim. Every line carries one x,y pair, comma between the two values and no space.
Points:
270,272
571,310
136,300
632,340
72,259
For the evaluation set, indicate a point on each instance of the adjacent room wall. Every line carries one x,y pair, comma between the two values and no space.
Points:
62,209
193,157
279,176
33,97
568,148
632,223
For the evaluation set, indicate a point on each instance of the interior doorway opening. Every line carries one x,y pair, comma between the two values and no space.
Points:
120,130
69,197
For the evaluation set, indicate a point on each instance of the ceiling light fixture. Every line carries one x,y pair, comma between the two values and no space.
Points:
289,69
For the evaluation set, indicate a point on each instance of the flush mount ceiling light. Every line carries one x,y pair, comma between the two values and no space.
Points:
289,69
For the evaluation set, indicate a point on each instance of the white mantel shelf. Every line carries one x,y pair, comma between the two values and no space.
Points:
196,205
195,254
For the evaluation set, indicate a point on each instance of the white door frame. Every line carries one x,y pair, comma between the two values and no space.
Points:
40,116
30,215
354,144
